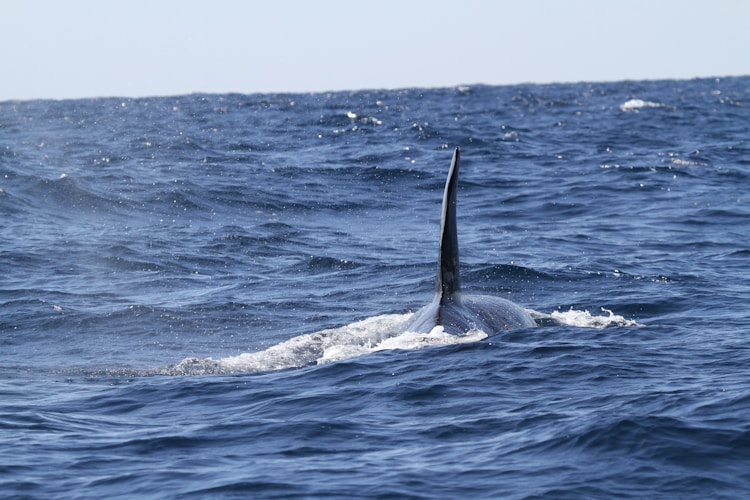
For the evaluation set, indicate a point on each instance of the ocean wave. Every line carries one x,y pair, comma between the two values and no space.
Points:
229,236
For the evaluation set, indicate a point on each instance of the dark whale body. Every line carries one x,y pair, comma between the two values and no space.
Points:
455,312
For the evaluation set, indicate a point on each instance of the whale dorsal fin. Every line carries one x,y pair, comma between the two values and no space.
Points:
448,285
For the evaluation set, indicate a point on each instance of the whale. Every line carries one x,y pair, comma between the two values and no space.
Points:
455,312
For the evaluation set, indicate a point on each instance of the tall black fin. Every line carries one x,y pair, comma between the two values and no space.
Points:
448,285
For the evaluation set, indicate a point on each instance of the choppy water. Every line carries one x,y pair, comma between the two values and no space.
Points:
206,295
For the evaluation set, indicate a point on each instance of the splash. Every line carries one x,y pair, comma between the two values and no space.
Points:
406,340
340,343
585,319
636,104
378,333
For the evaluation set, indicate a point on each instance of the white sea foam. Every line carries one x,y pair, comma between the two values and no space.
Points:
324,346
378,333
636,104
585,319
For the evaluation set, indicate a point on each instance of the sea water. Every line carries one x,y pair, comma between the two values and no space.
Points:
208,295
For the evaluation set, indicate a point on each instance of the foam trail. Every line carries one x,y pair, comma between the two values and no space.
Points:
354,339
378,333
406,340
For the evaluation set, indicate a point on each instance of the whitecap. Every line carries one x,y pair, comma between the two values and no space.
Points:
636,104
585,319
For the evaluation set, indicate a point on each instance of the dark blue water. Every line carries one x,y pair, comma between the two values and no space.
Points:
206,295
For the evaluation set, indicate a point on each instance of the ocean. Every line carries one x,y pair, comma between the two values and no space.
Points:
209,295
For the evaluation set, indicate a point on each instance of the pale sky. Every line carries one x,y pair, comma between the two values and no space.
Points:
133,48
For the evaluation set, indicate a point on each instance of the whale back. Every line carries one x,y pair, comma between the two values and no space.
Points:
450,309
